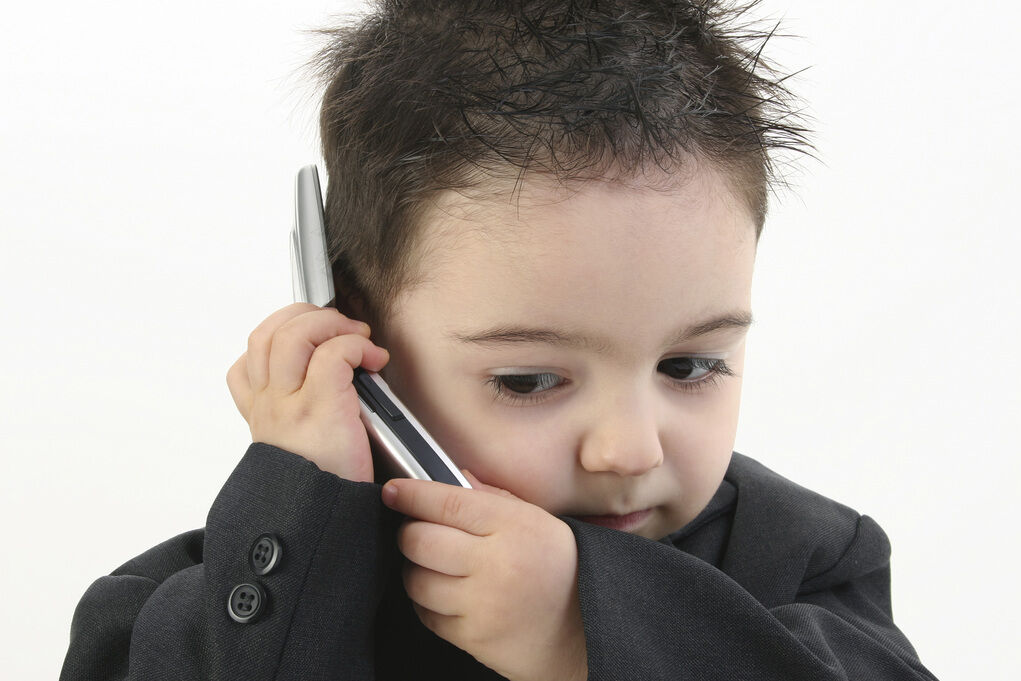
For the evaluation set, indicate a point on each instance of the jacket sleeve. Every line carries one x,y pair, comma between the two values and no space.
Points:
651,611
167,613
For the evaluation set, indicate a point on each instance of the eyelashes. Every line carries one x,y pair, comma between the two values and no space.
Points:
519,384
535,388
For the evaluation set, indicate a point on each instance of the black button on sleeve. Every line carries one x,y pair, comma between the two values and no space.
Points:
246,602
265,554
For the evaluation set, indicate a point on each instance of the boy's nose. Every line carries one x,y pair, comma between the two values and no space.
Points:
625,442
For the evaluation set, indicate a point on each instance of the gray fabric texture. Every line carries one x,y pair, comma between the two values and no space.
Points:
771,581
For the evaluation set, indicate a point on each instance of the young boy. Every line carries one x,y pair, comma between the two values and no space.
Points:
548,213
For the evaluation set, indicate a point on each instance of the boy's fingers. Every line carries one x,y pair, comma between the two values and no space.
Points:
296,340
260,340
263,337
437,547
478,484
331,367
434,591
441,625
438,502
239,386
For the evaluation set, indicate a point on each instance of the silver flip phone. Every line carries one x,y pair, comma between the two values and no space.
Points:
401,446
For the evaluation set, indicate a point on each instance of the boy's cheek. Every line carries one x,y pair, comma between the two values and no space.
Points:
503,446
533,465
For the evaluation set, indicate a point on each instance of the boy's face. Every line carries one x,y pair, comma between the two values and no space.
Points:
607,426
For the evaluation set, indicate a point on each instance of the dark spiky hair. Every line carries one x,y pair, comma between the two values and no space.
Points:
423,96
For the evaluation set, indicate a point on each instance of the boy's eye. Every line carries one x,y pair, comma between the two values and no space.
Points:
522,389
689,374
526,383
682,368
708,372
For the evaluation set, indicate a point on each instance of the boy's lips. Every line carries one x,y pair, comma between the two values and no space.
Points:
618,522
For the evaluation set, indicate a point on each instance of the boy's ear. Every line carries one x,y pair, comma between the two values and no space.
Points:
350,305
357,308
346,300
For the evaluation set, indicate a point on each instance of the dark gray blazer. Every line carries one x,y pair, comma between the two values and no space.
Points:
770,581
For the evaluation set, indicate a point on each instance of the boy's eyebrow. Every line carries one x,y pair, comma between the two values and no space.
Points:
511,335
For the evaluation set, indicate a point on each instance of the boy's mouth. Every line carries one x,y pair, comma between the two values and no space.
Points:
625,523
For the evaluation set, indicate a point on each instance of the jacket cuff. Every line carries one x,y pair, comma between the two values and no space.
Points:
327,540
651,611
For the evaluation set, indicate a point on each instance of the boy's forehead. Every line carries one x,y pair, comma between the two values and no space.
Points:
534,206
556,252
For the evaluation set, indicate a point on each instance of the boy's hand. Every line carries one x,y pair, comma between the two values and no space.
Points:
494,575
294,388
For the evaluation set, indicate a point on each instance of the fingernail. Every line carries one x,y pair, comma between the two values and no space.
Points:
389,494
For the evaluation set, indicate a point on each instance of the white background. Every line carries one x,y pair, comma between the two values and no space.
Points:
148,158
